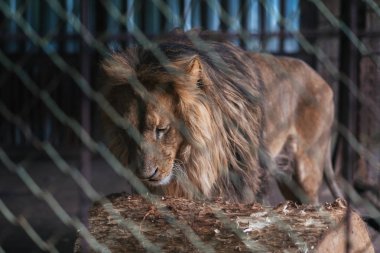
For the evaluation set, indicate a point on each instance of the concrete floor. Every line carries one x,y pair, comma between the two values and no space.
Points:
21,202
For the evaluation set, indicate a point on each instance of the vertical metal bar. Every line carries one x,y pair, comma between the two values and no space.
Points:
85,159
174,20
71,44
234,25
113,27
292,24
272,10
263,39
252,23
213,19
130,20
13,46
282,26
33,15
347,104
152,19
196,13
187,15
308,22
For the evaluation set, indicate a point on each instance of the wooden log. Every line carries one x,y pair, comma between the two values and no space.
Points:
132,224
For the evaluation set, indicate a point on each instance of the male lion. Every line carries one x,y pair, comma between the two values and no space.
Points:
207,115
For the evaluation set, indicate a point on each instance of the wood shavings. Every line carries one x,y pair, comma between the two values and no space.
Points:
286,228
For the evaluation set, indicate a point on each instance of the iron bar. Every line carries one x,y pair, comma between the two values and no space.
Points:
85,157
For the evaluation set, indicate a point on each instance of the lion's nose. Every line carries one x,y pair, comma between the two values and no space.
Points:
149,174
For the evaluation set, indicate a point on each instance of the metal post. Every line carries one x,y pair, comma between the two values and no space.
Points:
347,103
263,40
282,26
309,26
85,156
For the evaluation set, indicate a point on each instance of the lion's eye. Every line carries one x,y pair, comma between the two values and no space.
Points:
161,131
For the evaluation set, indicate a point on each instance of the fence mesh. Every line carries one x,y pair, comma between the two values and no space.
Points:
51,96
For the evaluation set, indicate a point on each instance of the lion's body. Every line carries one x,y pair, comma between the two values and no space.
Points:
210,113
299,113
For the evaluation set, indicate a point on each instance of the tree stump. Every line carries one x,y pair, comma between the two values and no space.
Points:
125,223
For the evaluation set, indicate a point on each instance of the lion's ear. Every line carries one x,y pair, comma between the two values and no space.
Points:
188,86
117,69
194,69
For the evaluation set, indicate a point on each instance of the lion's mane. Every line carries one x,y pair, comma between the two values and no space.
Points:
222,114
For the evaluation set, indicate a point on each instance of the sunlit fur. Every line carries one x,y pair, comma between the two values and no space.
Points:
217,111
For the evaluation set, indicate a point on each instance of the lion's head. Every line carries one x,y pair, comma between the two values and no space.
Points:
194,115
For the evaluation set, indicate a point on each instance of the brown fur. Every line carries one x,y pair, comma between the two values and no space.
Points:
200,111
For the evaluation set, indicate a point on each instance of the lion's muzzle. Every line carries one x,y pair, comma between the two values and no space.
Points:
149,175
150,172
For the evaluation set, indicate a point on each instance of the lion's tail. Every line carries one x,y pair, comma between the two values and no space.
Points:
330,176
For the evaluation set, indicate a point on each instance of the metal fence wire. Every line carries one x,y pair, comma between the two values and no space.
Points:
54,156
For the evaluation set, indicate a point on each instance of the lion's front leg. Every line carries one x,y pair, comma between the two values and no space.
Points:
302,170
309,173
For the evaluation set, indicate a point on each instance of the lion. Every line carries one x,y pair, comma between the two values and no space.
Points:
207,119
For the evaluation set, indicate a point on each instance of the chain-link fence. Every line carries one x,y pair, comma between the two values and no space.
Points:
54,157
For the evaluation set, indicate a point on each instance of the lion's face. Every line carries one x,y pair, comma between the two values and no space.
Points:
198,123
154,157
